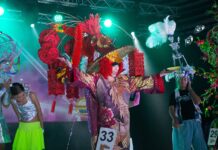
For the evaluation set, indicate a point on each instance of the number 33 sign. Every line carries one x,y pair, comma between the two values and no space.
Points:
106,139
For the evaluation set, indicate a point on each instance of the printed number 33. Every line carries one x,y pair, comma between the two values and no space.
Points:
106,136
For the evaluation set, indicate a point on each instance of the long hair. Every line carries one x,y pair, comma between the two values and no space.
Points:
105,67
16,88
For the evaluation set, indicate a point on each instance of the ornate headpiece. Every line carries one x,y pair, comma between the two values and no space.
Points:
184,71
114,56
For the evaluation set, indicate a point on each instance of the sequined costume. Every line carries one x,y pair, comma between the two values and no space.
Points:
27,111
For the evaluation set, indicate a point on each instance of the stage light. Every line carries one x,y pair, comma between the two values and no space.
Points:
58,18
32,25
133,33
108,23
1,11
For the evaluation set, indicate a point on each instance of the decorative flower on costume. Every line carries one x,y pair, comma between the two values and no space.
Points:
48,55
49,38
107,119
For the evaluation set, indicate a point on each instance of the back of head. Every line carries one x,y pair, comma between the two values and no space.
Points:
16,88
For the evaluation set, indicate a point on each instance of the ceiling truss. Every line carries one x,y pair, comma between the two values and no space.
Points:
117,6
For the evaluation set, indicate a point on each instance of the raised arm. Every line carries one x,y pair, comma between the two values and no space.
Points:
195,98
2,90
5,94
6,99
82,79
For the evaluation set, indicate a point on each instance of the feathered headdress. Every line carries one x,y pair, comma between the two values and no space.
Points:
183,71
92,26
159,32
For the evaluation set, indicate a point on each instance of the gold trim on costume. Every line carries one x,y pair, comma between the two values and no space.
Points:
141,83
114,57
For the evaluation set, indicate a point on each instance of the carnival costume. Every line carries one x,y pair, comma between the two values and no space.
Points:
108,102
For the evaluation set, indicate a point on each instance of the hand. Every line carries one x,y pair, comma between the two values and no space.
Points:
7,83
175,123
165,72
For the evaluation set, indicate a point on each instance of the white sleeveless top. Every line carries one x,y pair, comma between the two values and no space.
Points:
27,111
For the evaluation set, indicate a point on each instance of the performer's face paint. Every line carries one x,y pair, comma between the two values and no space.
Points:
115,69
